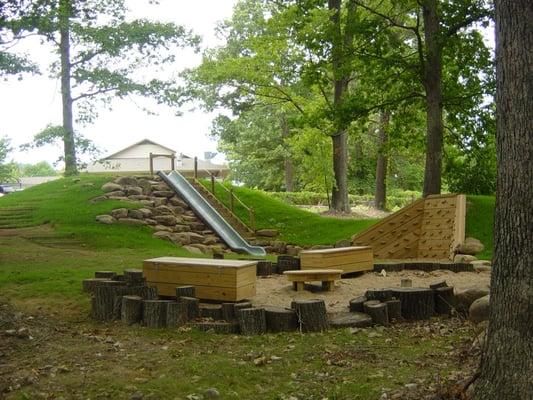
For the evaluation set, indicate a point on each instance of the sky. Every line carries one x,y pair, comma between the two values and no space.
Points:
28,105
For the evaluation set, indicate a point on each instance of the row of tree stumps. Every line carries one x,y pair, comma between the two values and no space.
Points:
127,298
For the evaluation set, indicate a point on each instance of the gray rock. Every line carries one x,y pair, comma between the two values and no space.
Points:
321,247
196,226
158,187
178,210
119,213
159,201
163,228
211,393
163,235
145,185
131,221
210,240
126,181
163,210
116,193
267,232
151,222
293,250
137,396
176,201
145,212
163,193
465,298
181,228
193,237
148,203
111,187
136,214
189,218
470,246
479,310
168,220
181,239
463,258
202,247
134,191
343,243
279,246
97,199
105,219
193,250
138,197
482,268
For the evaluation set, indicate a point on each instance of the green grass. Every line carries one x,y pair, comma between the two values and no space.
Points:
296,226
479,222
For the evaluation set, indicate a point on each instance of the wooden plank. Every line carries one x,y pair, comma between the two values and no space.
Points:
191,278
202,262
460,222
340,250
209,292
335,260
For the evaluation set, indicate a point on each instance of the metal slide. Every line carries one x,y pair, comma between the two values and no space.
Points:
209,215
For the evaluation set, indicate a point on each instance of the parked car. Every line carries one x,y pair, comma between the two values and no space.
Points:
6,189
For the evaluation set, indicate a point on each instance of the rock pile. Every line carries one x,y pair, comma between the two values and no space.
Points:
161,210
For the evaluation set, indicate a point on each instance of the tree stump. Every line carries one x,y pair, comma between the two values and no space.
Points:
105,274
240,306
353,319
213,311
311,315
105,294
193,306
223,327
228,311
394,309
252,321
356,304
438,284
417,303
264,268
185,291
134,277
377,311
287,263
281,319
131,309
444,300
155,313
89,285
148,293
379,294
176,315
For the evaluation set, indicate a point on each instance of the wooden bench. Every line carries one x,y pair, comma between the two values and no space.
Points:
348,259
326,276
223,280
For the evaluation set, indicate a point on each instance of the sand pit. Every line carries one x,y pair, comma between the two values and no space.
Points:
277,291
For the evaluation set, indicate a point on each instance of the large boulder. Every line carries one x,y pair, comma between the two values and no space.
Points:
479,310
181,239
176,201
131,221
168,220
116,193
343,243
119,213
134,191
111,187
163,210
194,237
163,193
163,235
136,214
159,201
463,258
105,219
145,212
464,298
292,250
193,250
145,185
139,197
470,246
126,181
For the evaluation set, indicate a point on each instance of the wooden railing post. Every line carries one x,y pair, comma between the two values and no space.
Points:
231,200
213,184
195,167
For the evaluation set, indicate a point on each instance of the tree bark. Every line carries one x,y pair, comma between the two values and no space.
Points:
433,86
417,303
378,312
252,321
507,360
311,315
380,197
69,146
289,170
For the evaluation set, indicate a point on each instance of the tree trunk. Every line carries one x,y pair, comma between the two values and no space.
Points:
378,312
289,171
507,360
131,310
281,319
433,87
252,321
417,303
69,146
380,197
339,192
311,315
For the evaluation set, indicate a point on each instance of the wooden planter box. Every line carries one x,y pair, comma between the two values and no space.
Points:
224,280
349,259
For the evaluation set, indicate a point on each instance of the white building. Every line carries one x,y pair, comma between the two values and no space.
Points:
136,158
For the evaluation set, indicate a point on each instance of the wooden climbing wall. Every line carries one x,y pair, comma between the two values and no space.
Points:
429,228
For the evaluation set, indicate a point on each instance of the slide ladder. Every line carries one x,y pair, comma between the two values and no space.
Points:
208,214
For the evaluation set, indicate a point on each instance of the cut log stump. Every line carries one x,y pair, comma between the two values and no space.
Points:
438,284
131,309
311,315
252,321
417,303
228,311
444,300
105,295
379,294
193,306
240,306
155,313
176,315
264,268
213,311
352,319
105,274
89,285
377,311
185,291
394,309
281,319
134,277
356,304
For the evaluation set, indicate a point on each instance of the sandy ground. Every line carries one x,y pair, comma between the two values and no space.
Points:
276,291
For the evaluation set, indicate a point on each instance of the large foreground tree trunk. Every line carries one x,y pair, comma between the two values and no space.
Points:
380,196
66,96
507,361
433,87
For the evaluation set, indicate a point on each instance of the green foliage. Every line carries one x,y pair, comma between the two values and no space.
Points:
42,168
7,170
